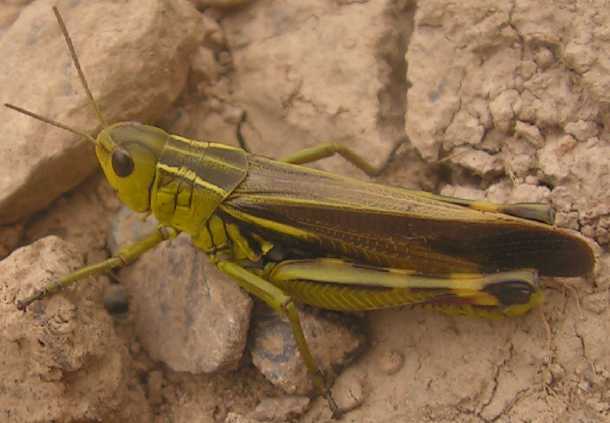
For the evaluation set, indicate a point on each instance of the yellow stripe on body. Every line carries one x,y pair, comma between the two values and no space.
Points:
341,272
268,224
204,144
424,206
205,158
191,176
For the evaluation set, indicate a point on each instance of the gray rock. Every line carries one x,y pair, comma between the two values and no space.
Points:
332,341
186,313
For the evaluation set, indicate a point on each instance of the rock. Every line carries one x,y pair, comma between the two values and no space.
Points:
544,57
391,361
127,227
464,129
503,109
596,303
238,418
186,313
155,387
61,360
133,75
332,342
312,99
470,57
529,132
8,15
444,77
9,238
555,160
349,390
478,162
77,217
280,409
581,130
205,66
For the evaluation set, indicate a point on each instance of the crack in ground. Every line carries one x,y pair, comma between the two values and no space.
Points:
496,383
511,25
391,51
458,109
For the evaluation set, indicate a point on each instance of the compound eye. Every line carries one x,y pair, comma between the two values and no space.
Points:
122,163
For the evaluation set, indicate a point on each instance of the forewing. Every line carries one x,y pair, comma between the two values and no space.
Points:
386,226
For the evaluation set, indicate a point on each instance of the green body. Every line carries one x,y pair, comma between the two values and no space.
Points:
390,246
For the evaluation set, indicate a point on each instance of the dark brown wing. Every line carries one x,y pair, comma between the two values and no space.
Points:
386,226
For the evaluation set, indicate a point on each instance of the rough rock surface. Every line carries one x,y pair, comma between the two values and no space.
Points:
131,73
280,409
517,88
333,344
187,314
60,360
316,71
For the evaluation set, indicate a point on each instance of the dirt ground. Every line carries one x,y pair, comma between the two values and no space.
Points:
508,101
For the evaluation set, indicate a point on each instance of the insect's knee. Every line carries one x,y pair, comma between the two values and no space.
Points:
167,232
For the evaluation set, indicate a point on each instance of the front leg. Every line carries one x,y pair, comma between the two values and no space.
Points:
284,305
127,254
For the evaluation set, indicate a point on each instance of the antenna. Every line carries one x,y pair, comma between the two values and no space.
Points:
50,121
81,75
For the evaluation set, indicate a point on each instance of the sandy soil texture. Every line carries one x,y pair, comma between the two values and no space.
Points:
505,101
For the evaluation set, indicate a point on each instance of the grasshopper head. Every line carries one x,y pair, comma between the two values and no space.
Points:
128,153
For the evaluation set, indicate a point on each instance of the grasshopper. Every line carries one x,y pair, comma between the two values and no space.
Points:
290,234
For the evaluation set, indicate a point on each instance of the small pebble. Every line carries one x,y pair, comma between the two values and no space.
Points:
348,391
584,386
391,362
116,300
544,57
332,340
